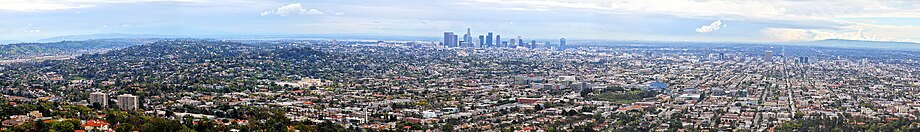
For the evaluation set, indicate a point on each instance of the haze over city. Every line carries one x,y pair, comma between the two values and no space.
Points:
667,20
459,65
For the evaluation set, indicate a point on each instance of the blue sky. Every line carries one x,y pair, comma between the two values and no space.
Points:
664,20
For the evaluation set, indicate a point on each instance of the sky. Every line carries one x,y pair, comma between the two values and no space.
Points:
656,20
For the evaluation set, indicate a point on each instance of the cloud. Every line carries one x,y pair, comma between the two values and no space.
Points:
293,9
314,12
728,7
265,13
710,28
855,32
33,31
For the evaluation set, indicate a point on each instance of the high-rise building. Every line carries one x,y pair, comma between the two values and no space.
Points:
468,37
768,56
803,60
482,41
454,40
447,39
488,40
562,44
99,98
477,41
498,41
521,42
512,43
722,56
533,44
127,102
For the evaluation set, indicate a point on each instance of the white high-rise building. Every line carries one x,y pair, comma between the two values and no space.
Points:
127,102
99,97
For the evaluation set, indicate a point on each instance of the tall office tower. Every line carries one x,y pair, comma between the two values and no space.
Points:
464,40
803,60
477,41
454,40
498,41
722,56
468,37
334,42
533,44
482,40
127,102
100,98
768,56
488,40
562,44
521,42
512,43
447,37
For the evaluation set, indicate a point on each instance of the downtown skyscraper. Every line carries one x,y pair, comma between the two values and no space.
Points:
450,39
498,41
482,40
468,38
488,41
562,44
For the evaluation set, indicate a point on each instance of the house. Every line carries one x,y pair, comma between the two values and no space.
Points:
11,123
95,125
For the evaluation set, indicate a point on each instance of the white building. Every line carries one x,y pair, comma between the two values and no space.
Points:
127,102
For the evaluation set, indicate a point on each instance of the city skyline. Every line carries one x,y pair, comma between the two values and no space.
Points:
673,20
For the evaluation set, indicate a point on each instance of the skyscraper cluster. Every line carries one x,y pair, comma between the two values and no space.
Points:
490,40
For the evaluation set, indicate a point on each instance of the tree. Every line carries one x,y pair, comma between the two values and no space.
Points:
159,124
170,113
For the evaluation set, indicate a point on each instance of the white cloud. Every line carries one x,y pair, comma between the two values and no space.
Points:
314,12
855,32
33,31
755,8
265,13
294,9
339,13
711,27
